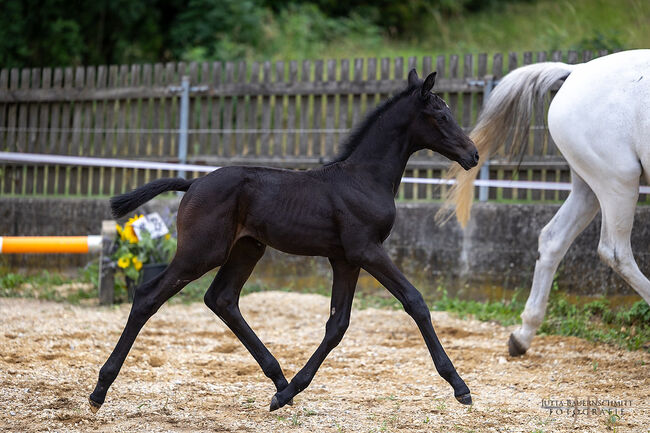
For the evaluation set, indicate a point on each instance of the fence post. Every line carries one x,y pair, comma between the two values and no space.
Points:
484,173
106,265
184,120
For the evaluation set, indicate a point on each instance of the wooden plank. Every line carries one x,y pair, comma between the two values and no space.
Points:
66,109
169,120
108,147
23,113
412,63
4,87
481,73
75,136
225,89
453,96
344,107
317,114
303,149
240,116
144,115
53,172
330,112
97,174
278,112
12,112
33,133
572,57
87,123
427,67
265,136
356,99
228,142
539,124
215,113
44,116
133,136
194,107
77,116
121,143
157,109
250,149
468,73
292,144
203,136
512,61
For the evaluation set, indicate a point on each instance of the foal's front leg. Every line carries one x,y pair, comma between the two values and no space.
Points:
343,286
375,260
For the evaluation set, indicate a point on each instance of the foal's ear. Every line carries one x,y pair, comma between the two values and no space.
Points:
428,83
413,78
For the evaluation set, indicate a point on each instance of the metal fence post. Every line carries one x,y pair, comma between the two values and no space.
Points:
484,173
184,120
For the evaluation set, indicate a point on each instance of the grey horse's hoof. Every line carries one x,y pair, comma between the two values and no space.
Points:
514,346
94,406
464,399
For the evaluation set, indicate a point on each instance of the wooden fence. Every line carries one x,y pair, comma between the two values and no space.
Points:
286,114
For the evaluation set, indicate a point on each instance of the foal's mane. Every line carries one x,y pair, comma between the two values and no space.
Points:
358,132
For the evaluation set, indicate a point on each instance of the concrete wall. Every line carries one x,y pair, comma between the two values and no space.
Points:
497,251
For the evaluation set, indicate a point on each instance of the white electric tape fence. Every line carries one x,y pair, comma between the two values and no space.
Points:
35,158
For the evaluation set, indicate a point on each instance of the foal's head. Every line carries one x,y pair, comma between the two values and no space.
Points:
434,126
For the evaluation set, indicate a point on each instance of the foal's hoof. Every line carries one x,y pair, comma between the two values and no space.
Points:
515,348
94,406
465,398
275,404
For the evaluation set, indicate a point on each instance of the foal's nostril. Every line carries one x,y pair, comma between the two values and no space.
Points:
476,157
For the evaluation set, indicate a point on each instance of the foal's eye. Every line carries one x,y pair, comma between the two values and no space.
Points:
444,118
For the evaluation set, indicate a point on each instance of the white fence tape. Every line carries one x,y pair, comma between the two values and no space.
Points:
35,158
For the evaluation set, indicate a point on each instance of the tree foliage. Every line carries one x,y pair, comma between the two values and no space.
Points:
58,32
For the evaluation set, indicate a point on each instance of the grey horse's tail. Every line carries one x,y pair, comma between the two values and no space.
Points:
504,119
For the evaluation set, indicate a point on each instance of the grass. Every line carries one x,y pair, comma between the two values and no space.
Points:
594,321
517,26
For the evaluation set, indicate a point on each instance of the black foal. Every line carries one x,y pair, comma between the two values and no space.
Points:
343,211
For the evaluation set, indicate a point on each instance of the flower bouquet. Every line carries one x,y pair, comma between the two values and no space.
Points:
143,244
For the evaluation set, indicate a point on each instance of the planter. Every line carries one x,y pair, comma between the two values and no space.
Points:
148,272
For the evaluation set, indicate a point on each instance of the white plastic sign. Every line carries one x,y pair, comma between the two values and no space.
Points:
152,223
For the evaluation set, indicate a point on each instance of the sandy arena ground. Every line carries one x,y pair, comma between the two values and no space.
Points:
187,372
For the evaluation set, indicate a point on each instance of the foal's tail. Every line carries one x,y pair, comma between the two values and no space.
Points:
505,118
125,203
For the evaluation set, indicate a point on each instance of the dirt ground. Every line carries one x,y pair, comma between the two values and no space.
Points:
187,372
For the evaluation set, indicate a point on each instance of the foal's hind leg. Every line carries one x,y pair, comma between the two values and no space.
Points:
554,240
147,300
343,285
223,299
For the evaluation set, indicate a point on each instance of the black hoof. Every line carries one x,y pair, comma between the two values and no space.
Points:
290,402
94,406
514,347
275,404
465,398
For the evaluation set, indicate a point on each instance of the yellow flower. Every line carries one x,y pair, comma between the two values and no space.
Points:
168,236
137,264
123,262
129,234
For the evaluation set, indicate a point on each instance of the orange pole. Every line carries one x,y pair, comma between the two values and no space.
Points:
47,244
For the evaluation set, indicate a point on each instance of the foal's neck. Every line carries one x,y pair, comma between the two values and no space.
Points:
383,151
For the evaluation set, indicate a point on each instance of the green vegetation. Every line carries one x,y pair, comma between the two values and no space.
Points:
50,33
594,321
